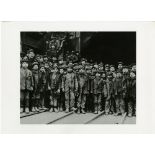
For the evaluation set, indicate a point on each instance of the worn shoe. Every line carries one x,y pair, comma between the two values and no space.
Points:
96,112
60,109
73,109
27,110
83,112
21,110
56,110
44,108
106,113
116,114
110,112
78,112
40,108
67,111
36,109
130,115
51,110
33,109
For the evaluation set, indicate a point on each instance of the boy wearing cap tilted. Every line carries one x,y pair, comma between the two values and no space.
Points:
26,86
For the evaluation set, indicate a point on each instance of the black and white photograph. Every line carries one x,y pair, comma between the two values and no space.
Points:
77,77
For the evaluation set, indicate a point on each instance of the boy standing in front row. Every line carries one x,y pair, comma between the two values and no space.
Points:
26,85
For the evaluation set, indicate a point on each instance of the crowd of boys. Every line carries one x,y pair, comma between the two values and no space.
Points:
81,86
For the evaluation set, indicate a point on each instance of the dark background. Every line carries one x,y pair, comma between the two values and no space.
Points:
109,47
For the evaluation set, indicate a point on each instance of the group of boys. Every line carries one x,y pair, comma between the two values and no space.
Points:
56,85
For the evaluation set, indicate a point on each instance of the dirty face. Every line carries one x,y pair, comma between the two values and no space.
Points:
106,69
132,75
118,75
97,74
103,75
125,70
46,66
134,68
120,66
24,64
41,59
69,70
61,71
45,59
31,55
42,69
112,69
35,67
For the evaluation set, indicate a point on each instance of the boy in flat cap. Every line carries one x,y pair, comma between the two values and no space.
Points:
97,87
132,94
42,82
118,92
104,90
70,89
120,66
126,76
82,82
61,97
31,56
109,104
26,86
47,86
54,89
107,68
36,87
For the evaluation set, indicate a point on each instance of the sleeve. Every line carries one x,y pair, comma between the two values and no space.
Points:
32,80
76,83
105,90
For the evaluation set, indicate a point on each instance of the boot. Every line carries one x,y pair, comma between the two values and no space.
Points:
116,114
96,110
51,110
106,113
40,108
82,110
60,109
73,108
78,112
36,109
56,110
27,110
33,109
44,108
21,110
129,115
67,110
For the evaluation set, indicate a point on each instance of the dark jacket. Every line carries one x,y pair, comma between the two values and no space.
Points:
26,80
118,86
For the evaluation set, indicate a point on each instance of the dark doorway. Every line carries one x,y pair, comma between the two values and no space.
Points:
109,47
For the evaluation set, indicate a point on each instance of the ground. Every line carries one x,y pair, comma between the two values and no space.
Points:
46,117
